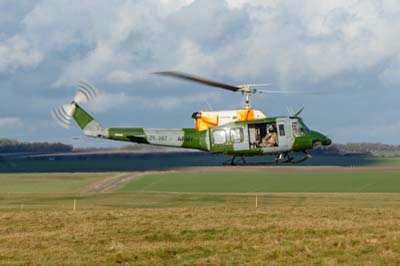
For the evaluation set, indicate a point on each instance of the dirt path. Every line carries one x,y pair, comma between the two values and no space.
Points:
111,183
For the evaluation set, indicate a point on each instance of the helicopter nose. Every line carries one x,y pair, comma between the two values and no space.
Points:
320,139
326,142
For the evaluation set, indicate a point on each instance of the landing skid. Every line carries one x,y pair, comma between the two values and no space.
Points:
282,158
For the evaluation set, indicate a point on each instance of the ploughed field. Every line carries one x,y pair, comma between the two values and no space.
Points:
203,216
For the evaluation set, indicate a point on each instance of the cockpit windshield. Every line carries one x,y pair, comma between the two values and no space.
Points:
306,128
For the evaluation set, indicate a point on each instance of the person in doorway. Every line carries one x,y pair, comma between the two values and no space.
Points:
271,139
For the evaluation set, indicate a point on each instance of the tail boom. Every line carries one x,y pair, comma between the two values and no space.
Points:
179,137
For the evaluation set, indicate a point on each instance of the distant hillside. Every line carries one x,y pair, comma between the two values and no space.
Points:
370,149
14,146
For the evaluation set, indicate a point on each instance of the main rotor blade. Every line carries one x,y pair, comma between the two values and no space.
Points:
201,80
256,85
288,92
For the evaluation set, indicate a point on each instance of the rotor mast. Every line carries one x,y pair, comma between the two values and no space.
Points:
247,105
247,91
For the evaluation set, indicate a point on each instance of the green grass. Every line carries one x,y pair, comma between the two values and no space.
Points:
352,181
47,183
162,200
269,182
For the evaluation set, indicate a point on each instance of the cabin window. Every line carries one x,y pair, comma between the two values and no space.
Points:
219,136
236,135
281,130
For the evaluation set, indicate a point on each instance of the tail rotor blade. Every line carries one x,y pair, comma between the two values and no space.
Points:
91,89
69,109
61,117
81,96
85,92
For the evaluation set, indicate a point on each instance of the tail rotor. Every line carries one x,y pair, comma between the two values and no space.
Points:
63,114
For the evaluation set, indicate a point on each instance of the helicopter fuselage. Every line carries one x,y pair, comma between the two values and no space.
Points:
275,135
236,138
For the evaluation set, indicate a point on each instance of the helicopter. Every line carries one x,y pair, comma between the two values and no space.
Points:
237,133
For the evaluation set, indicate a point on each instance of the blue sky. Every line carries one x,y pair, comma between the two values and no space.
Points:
348,50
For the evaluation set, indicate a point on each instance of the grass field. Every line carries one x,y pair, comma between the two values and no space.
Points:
203,219
43,183
269,182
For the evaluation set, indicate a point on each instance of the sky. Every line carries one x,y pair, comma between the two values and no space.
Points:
347,50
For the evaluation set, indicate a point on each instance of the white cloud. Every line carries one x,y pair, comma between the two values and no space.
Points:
193,59
122,76
95,63
391,75
315,40
108,101
291,41
17,52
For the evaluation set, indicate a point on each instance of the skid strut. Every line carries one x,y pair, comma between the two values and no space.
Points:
233,161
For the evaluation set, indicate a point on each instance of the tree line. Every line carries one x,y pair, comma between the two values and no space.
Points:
14,146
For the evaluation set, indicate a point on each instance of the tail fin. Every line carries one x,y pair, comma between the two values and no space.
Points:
81,117
88,124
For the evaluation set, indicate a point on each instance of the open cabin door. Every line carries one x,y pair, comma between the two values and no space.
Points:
263,136
284,133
